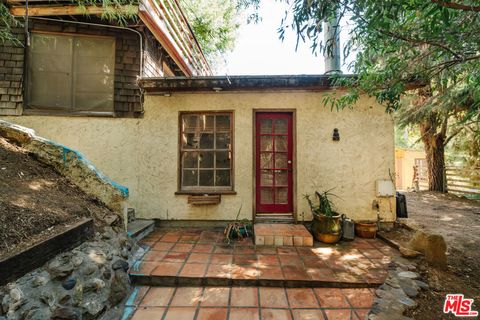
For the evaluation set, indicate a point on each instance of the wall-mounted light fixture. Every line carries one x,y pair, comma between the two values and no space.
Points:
336,135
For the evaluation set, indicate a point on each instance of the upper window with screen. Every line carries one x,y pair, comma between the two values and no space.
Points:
71,73
206,151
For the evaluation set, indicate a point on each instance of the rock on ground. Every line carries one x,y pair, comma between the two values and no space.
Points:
81,284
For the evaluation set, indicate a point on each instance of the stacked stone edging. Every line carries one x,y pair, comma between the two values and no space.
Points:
84,283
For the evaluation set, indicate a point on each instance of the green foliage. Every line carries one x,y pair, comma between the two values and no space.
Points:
113,13
465,147
214,23
407,137
398,44
324,206
401,45
7,22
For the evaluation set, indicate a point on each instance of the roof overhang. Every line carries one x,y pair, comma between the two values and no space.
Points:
168,24
164,18
240,83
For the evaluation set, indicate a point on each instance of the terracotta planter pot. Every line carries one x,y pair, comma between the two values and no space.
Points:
327,229
366,229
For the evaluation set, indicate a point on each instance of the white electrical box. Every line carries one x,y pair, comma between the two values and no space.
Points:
385,188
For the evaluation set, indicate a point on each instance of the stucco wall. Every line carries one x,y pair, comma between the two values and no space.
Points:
142,153
405,161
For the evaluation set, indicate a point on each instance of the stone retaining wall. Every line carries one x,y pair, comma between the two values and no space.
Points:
85,283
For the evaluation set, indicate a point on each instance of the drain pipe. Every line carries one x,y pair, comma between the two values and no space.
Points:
331,31
104,26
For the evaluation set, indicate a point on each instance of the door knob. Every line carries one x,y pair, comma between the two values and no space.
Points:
289,161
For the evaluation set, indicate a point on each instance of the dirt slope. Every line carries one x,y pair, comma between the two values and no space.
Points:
36,201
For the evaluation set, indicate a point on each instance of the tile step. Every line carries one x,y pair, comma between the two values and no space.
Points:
272,234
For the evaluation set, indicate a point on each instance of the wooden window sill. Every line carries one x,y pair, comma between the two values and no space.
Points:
205,192
65,113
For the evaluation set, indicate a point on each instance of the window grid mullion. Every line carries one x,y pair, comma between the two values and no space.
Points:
214,150
198,133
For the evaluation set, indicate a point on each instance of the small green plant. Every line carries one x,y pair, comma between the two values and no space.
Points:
325,205
238,229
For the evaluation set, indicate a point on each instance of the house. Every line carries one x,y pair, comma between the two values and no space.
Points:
191,146
410,169
76,65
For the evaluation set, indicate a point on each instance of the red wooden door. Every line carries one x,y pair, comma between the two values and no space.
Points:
274,167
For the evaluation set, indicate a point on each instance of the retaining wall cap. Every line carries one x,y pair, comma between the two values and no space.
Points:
11,130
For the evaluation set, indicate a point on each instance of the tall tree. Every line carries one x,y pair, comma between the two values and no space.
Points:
214,23
400,45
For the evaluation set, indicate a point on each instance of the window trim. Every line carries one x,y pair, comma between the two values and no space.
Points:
206,190
49,111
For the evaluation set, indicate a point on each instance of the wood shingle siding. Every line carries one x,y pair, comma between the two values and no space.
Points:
127,94
11,76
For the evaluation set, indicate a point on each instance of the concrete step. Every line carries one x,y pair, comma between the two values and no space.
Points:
278,218
276,234
140,228
223,281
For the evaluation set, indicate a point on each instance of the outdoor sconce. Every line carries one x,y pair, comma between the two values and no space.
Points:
336,135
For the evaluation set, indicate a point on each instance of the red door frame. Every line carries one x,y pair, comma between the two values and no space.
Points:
274,208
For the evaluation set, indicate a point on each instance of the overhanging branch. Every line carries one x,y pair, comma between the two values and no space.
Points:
457,6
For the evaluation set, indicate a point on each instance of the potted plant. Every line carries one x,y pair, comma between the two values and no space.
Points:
326,225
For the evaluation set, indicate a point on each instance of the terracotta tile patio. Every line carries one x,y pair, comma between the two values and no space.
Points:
200,257
242,303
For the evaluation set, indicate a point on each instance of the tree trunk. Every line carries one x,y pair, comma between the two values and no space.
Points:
435,153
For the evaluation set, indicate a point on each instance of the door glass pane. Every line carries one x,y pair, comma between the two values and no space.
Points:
190,159
266,196
206,159
265,126
281,143
206,178
190,123
206,141
281,195
266,161
281,177
280,160
222,178
190,178
223,123
190,141
266,178
266,143
281,126
223,141
207,122
222,160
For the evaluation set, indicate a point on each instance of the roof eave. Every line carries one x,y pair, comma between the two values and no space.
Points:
240,83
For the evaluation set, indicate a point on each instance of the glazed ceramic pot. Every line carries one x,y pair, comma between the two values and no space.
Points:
327,229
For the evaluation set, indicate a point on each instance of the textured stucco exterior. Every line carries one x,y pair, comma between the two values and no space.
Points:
404,163
142,153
